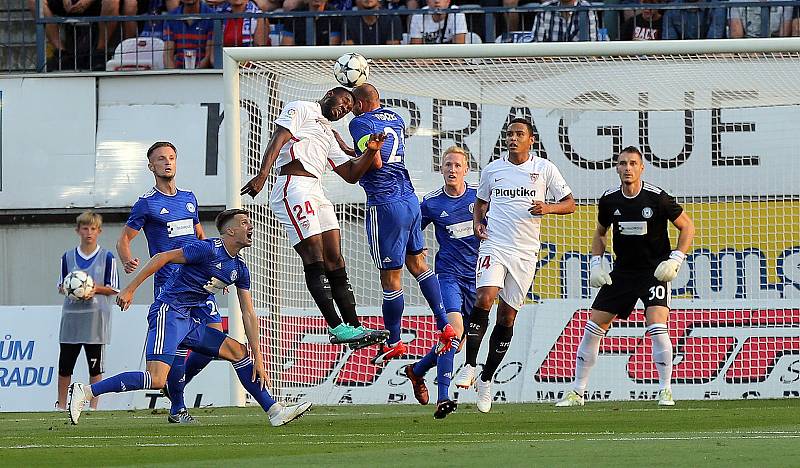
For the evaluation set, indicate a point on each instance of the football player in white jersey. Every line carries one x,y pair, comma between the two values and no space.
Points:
302,147
511,197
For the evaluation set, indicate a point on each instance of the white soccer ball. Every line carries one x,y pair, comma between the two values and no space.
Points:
77,285
351,70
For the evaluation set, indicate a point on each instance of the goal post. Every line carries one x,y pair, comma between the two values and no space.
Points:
716,121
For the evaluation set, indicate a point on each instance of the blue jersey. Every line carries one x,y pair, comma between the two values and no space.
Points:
168,222
391,182
208,269
452,221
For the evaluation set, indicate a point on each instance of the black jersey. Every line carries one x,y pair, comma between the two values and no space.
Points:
641,240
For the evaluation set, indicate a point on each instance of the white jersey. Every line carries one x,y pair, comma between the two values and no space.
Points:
312,142
510,190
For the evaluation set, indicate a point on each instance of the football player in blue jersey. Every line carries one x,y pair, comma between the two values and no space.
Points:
449,209
393,221
169,217
209,266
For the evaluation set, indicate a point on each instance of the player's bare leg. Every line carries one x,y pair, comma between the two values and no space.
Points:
478,324
656,322
588,349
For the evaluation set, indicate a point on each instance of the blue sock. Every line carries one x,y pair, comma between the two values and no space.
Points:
244,370
392,309
444,371
124,382
176,382
426,363
196,363
429,285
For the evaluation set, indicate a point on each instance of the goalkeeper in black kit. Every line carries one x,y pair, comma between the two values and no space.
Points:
643,268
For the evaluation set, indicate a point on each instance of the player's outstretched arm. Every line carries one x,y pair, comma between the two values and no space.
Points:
251,330
352,170
125,296
348,150
478,215
129,262
279,138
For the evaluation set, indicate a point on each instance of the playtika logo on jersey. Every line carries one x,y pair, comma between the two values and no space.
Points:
514,193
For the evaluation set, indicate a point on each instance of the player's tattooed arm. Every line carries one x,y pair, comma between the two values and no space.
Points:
478,217
279,138
348,150
564,206
125,296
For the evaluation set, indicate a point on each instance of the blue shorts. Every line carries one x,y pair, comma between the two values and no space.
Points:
168,330
205,315
394,231
458,294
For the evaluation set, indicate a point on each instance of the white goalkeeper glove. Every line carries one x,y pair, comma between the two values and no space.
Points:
667,270
598,276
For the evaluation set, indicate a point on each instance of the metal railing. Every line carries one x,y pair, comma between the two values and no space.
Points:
484,25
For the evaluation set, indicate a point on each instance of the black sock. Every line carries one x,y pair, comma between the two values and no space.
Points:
342,293
320,290
498,345
478,323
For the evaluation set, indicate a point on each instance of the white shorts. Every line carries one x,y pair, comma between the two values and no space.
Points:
301,207
507,271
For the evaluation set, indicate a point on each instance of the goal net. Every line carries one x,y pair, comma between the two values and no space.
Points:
716,122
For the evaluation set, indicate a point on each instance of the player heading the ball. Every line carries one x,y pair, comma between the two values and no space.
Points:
302,147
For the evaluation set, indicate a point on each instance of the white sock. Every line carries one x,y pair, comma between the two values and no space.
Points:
587,355
662,353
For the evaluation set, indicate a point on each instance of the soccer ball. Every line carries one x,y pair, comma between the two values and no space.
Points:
77,285
351,70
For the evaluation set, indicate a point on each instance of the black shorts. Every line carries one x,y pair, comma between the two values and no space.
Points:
57,8
69,355
626,288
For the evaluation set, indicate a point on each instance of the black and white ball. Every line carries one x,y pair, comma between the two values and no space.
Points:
351,70
77,285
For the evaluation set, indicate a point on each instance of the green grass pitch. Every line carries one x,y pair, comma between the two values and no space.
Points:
760,433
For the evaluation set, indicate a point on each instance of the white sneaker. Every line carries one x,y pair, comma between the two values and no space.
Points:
484,395
286,414
465,377
76,401
572,398
665,398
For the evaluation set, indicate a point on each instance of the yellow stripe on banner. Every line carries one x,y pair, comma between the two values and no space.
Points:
770,228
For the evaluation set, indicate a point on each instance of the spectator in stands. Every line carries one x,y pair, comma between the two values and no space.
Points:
243,32
189,43
438,28
565,26
328,29
695,23
155,7
86,323
645,26
372,29
78,52
746,21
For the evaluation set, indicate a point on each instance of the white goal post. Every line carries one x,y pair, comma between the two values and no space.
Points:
717,122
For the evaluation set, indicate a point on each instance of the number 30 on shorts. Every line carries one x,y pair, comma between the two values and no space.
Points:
657,292
298,211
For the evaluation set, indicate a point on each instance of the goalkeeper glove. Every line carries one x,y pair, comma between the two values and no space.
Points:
667,270
445,339
598,276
